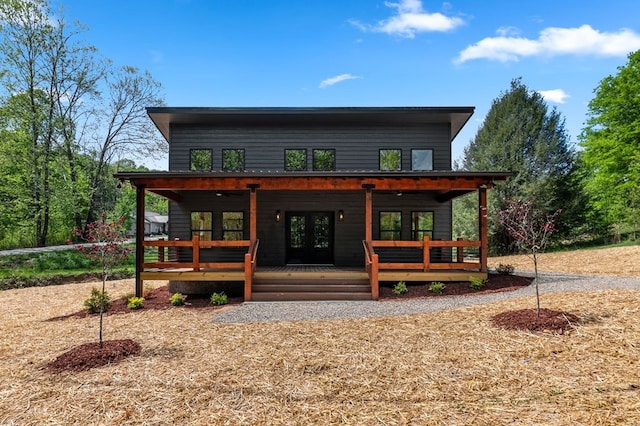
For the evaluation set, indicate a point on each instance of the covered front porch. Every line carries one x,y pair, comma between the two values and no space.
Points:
430,260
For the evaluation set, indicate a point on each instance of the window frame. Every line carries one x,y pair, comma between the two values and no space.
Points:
399,167
395,232
224,159
313,160
413,161
231,231
203,230
192,151
418,234
286,160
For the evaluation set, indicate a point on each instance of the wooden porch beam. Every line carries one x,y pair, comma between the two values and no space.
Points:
306,183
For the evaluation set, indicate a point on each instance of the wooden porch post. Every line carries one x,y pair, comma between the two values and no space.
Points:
368,213
253,220
483,232
253,236
140,190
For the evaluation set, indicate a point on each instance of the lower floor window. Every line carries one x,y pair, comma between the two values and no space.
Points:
233,226
421,225
202,225
390,225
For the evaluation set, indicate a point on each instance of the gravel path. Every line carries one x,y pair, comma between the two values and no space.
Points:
309,311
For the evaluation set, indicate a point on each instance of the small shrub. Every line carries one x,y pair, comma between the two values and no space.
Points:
503,269
125,297
400,288
98,299
177,299
476,283
437,287
219,299
135,303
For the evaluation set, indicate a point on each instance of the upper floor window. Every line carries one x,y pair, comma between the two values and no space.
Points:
390,159
390,225
421,159
421,225
232,226
295,160
200,160
324,159
233,160
202,225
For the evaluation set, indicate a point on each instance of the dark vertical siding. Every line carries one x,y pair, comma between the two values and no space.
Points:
348,234
357,149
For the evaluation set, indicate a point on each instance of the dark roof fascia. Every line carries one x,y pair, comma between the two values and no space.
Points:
163,117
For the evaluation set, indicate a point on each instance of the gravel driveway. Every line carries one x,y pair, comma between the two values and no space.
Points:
308,311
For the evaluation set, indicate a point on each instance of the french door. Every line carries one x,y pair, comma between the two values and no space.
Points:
309,237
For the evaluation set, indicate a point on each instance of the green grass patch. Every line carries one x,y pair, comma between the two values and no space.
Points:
35,269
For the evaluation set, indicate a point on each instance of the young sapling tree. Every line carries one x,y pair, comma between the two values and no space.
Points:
531,230
105,245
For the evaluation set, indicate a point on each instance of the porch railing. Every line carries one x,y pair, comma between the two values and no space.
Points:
461,261
173,254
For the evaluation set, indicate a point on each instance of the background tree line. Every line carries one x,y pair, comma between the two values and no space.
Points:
596,185
67,116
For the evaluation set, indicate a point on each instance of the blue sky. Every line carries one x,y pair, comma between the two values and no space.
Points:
366,52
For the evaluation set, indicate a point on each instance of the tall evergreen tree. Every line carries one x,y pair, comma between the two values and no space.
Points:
522,135
611,142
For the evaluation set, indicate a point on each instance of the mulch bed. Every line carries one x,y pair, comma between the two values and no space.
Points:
91,355
495,283
158,298
532,320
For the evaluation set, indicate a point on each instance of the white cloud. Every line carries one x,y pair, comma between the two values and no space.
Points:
557,96
410,19
157,56
553,41
337,79
508,31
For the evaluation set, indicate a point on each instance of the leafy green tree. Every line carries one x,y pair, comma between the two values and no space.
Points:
611,155
67,115
522,135
25,77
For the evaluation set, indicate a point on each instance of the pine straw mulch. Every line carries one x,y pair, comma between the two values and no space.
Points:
448,367
613,261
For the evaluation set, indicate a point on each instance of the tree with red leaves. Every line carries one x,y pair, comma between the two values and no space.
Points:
531,230
105,245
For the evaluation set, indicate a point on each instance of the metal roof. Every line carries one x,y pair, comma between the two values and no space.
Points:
163,117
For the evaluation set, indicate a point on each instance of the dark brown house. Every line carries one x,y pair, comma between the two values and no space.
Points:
309,203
